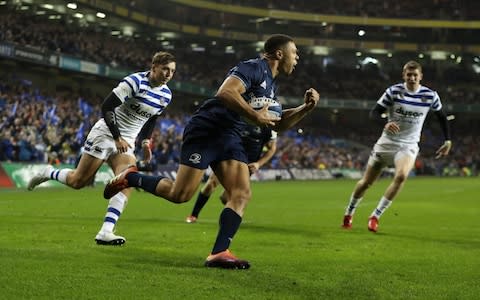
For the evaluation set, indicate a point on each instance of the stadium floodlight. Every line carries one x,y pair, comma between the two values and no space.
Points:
128,30
101,15
229,50
169,35
438,55
378,51
369,60
72,5
476,68
320,50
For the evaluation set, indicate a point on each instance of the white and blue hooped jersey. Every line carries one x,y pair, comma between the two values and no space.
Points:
409,110
140,101
256,76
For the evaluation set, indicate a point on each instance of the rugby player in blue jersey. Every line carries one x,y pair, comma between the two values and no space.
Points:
212,138
129,112
405,106
255,138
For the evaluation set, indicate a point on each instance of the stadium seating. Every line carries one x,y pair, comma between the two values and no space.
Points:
33,123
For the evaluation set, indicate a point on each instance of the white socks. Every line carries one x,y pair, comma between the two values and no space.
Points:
352,205
383,204
116,204
60,175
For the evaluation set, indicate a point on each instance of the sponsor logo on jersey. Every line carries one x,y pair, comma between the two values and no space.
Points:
136,107
407,113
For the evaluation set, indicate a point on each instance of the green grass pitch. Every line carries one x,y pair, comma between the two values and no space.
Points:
427,247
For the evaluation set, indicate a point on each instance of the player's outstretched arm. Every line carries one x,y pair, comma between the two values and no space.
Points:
292,116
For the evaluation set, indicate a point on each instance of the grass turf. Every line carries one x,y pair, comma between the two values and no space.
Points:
427,247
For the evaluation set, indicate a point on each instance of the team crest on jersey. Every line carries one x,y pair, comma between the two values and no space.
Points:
424,99
195,158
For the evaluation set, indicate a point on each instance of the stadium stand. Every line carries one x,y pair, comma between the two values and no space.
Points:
38,125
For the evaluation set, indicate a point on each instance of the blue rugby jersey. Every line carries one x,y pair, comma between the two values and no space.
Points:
256,76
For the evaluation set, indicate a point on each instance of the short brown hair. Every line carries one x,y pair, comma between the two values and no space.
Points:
162,58
412,65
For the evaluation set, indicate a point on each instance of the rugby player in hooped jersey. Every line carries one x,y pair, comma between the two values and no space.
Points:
129,111
406,105
212,137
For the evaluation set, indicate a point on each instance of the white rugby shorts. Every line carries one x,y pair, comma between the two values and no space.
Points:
387,153
100,143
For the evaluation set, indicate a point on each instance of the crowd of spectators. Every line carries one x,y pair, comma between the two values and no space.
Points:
337,79
35,127
38,127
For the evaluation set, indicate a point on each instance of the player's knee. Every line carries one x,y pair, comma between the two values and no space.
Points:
182,196
223,198
242,195
364,184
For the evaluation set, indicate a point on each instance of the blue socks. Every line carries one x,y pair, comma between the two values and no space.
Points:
229,224
199,204
146,182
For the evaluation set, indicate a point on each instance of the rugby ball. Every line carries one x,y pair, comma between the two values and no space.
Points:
274,107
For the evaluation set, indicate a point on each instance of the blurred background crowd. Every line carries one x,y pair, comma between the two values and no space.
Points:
39,124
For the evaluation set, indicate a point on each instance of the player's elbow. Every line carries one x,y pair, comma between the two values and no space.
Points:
223,94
